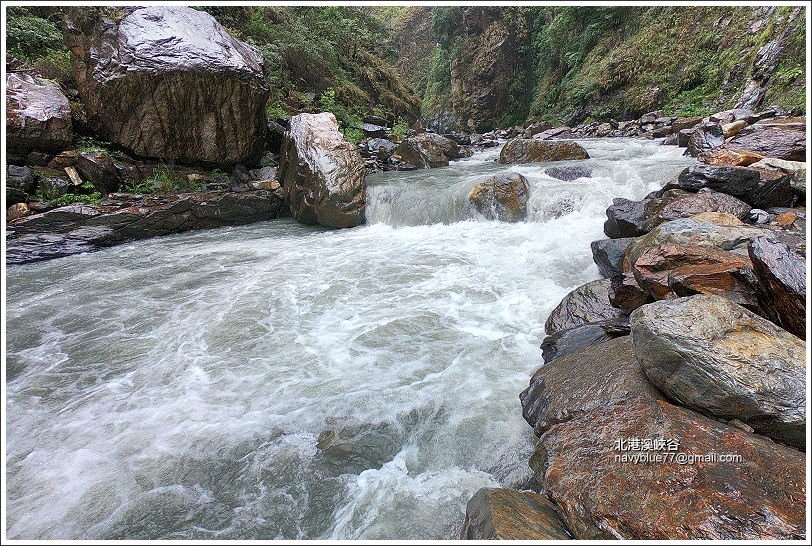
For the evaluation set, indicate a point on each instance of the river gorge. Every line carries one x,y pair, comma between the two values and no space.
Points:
278,380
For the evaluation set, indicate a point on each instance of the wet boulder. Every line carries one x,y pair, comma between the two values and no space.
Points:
778,138
674,204
705,137
531,150
170,82
685,123
427,150
569,173
322,174
608,255
759,188
625,218
98,168
779,263
626,293
506,514
795,169
587,303
712,355
573,340
726,156
501,197
38,115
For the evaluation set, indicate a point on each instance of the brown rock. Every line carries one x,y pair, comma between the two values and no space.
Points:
779,263
38,115
427,150
681,124
18,210
505,514
774,138
578,338
530,150
718,218
676,204
626,294
731,157
502,197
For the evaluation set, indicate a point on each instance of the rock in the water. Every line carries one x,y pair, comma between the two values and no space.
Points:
38,115
705,137
170,82
714,356
568,173
587,303
676,204
506,514
760,494
779,263
322,174
608,255
502,197
531,150
427,150
759,188
625,218
779,139
582,337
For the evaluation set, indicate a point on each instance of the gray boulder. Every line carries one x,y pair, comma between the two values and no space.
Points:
608,255
502,197
38,115
587,303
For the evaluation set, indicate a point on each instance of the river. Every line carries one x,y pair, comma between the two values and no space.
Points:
283,381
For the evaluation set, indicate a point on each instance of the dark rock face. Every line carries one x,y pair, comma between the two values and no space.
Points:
427,150
602,496
568,173
582,337
170,82
322,174
531,150
608,255
784,140
99,169
505,514
676,204
38,115
705,137
82,228
780,266
625,219
19,183
759,188
587,303
625,293
714,356
502,197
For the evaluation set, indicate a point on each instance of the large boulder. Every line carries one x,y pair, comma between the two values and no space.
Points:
705,137
795,169
714,356
676,204
587,303
780,266
778,138
578,338
38,115
531,150
506,514
608,255
568,173
427,150
170,82
625,218
322,174
757,187
501,197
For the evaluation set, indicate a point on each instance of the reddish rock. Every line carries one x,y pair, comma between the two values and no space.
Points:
676,204
778,138
626,294
505,514
731,157
780,266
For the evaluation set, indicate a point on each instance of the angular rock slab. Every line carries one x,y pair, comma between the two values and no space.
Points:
427,150
170,82
587,303
763,496
779,263
711,355
38,115
532,150
781,139
505,514
676,204
502,197
322,174
759,188
582,337
608,255
625,218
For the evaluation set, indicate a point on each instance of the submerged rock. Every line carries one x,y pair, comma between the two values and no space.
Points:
322,174
502,197
505,514
714,356
780,266
530,150
170,82
587,303
38,115
568,174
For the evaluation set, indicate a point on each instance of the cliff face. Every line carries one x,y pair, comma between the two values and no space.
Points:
484,66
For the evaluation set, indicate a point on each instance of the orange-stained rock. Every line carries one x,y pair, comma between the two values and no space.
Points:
718,218
730,157
506,514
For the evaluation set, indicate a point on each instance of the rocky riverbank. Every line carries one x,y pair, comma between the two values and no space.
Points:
671,403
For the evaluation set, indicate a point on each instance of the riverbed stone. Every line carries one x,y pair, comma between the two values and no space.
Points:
531,150
578,338
608,255
501,197
587,303
779,262
427,150
778,138
674,204
506,514
322,174
705,137
625,218
727,156
712,355
568,173
169,82
759,188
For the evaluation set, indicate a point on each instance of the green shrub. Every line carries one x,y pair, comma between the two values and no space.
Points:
30,37
164,180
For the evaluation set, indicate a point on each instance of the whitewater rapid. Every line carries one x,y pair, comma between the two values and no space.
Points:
284,381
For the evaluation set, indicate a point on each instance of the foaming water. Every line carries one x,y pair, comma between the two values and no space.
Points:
284,381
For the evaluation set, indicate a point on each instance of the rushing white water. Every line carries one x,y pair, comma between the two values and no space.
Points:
282,381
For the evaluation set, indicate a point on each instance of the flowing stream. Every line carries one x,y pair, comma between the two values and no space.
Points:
284,381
